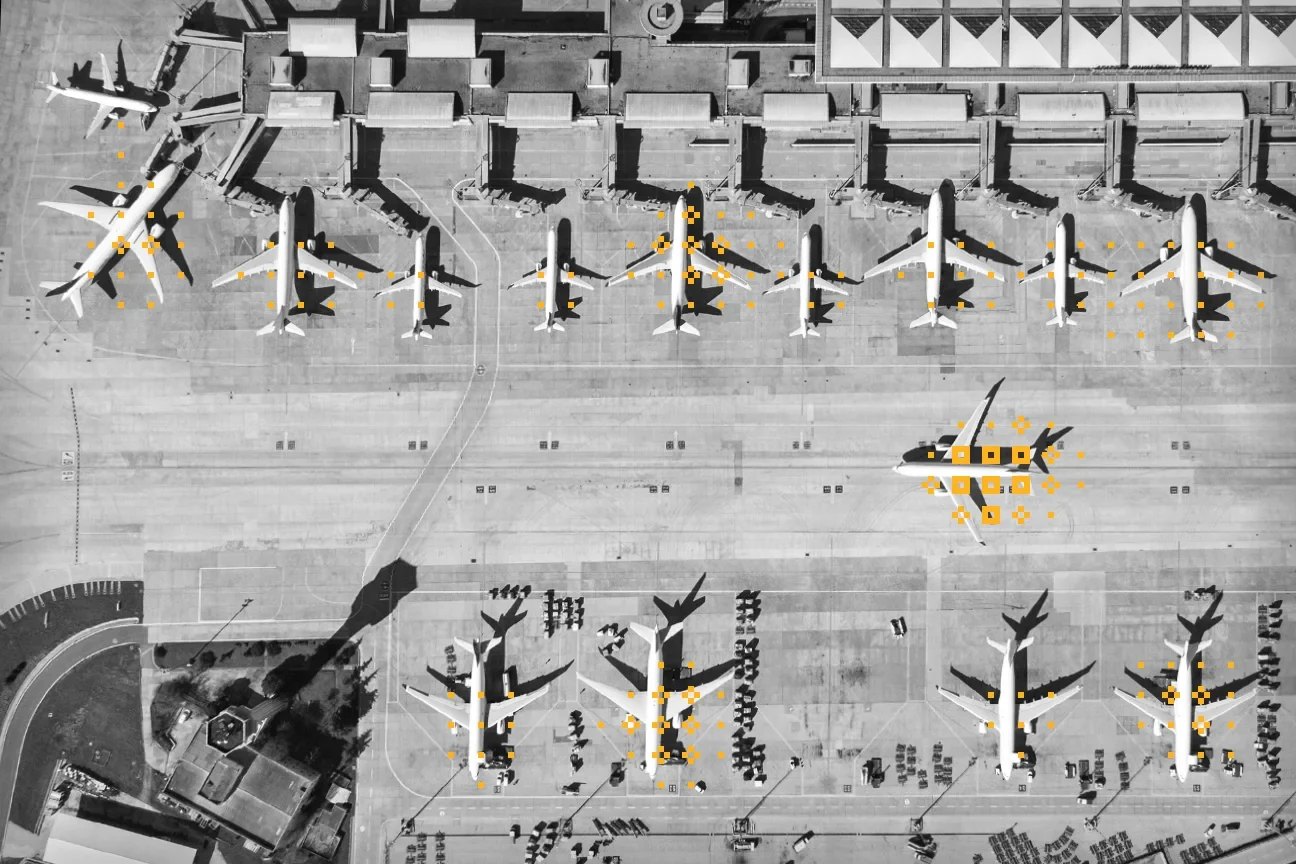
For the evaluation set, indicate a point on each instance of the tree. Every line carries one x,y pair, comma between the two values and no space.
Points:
207,659
159,652
273,648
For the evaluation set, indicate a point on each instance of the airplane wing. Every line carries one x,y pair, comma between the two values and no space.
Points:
968,434
968,261
150,268
444,707
409,283
787,283
1160,273
1042,273
101,116
1088,272
101,216
973,512
682,700
509,707
663,264
439,286
1033,710
1214,270
311,264
980,710
452,686
914,254
635,703
532,278
1151,707
1210,712
256,264
716,269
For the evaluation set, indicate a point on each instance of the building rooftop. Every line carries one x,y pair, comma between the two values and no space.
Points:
79,841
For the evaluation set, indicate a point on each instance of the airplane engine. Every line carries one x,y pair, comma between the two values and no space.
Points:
982,729
539,266
945,442
1033,728
156,231
1165,253
1210,250
265,244
310,245
119,201
1156,730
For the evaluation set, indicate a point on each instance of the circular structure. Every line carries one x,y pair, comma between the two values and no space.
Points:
661,18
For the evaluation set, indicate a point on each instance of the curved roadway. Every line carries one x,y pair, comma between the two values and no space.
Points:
49,672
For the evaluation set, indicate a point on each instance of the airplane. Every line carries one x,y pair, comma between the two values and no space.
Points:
1179,708
548,272
1011,712
137,228
801,281
479,712
283,260
111,103
418,282
1074,269
1191,268
657,712
937,461
683,252
932,251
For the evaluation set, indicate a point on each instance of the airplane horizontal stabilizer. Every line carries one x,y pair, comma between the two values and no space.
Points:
1025,643
804,330
1001,647
53,87
293,329
685,327
931,318
645,633
71,291
1059,319
668,327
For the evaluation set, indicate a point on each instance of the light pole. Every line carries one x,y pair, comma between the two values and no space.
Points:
237,612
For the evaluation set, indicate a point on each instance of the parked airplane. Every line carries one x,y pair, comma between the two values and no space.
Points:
1192,266
932,251
137,228
801,280
471,709
112,104
418,281
1179,707
956,458
283,259
651,703
1012,709
680,262
548,272
1063,300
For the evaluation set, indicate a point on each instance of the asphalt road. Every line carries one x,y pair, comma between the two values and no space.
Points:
58,663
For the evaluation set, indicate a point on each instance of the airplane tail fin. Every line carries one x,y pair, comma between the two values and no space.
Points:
1001,647
1192,331
931,318
668,327
71,290
645,633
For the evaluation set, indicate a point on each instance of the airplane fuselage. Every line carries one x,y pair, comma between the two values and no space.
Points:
804,284
126,223
551,275
652,736
1007,711
1183,705
103,97
934,259
918,463
1191,260
421,275
285,255
678,260
477,719
1061,269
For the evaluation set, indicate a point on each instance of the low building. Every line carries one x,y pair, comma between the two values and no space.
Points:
222,780
80,841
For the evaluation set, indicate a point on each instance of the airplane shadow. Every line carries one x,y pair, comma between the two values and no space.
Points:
700,297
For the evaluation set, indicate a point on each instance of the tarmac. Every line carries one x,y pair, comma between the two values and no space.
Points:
223,466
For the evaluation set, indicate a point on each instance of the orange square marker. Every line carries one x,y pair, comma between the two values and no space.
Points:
690,304
1050,304
991,274
1111,334
121,304
961,274
661,304
89,244
751,304
270,304
990,304
571,304
330,304
301,274
121,154
121,185
330,243
150,304
931,245
990,245
720,304
420,305
391,304
121,274
900,275
1140,304
1260,304
841,304
931,275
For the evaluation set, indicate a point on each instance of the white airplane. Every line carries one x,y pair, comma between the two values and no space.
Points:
958,458
653,705
1191,266
548,272
419,281
1074,269
127,228
683,253
283,260
1178,707
801,281
1010,712
933,251
111,103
